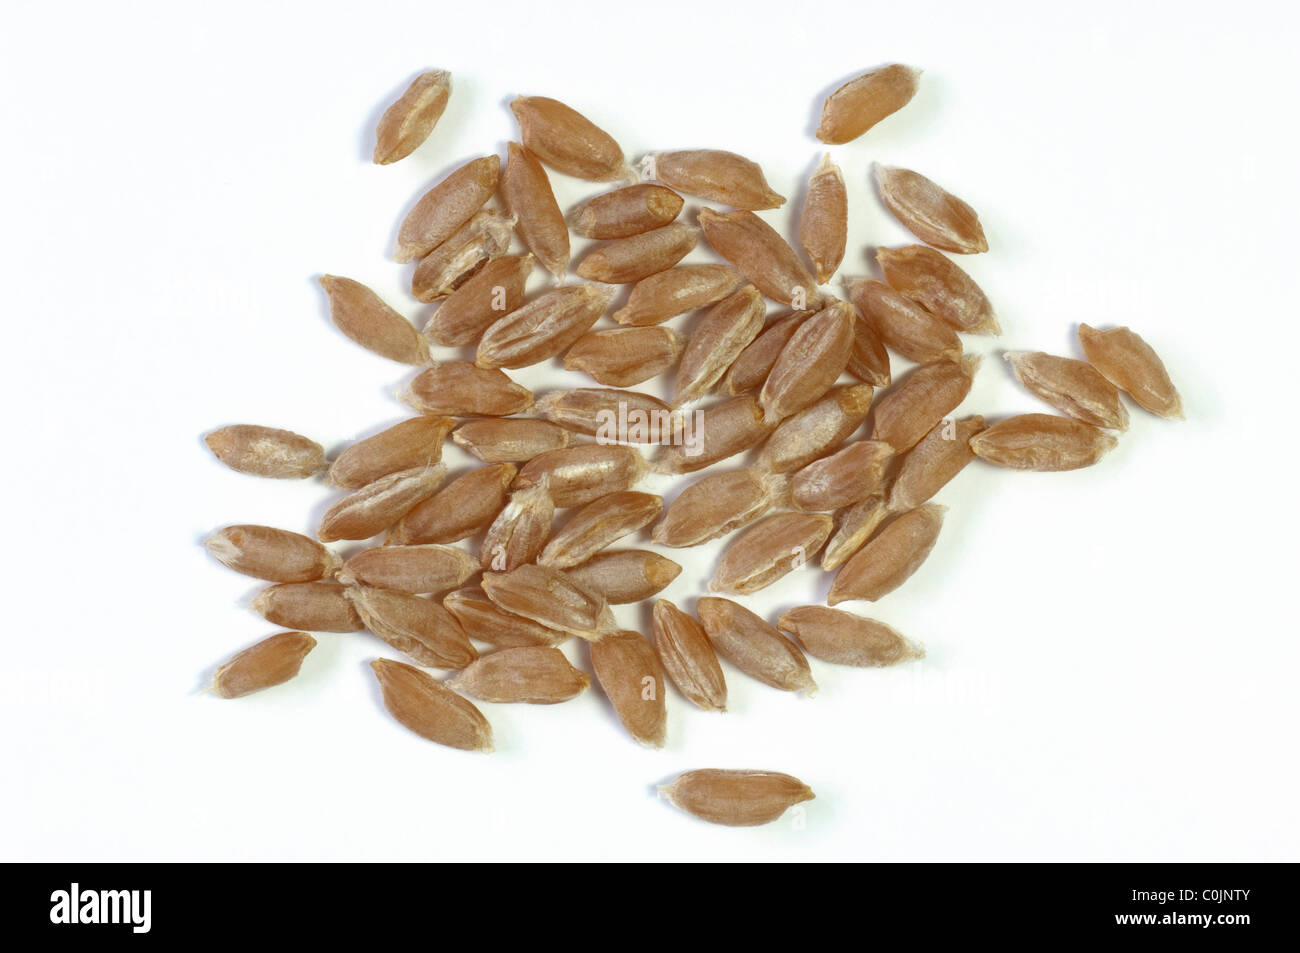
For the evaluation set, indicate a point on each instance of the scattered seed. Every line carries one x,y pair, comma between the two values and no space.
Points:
755,362
1129,363
1072,387
417,569
364,317
853,527
270,662
624,357
845,477
377,506
824,224
865,100
599,524
431,710
665,295
408,122
938,285
457,260
762,255
714,506
578,475
566,140
446,207
718,176
868,361
768,550
888,560
1042,442
903,325
544,327
937,458
549,598
465,506
459,389
418,627
910,410
266,451
816,355
624,260
509,439
753,646
627,211
613,416
533,674
494,291
816,430
520,530
933,215
482,619
623,576
276,555
688,657
412,443
526,191
631,677
313,606
846,639
718,432
736,798
724,331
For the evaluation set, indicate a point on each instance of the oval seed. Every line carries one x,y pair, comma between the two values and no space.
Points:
845,477
667,294
935,216
927,467
599,524
266,451
816,430
854,525
938,285
484,620
762,255
869,361
713,434
1131,364
415,626
544,327
750,370
865,100
688,657
717,175
446,207
846,639
520,530
533,675
753,646
714,506
453,263
276,555
509,439
549,598
810,363
313,606
623,576
460,389
612,416
462,508
724,331
902,324
364,317
736,798
628,672
889,560
566,140
578,475
408,122
624,260
768,550
908,412
270,662
429,709
624,357
824,224
417,569
627,211
412,443
490,294
377,506
1042,442
527,193
1072,387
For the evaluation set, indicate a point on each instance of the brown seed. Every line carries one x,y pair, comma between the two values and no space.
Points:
429,709
753,646
714,506
494,291
377,506
845,477
549,598
612,416
631,677
509,439
578,475
846,639
622,576
824,224
718,176
534,675
446,207
762,255
868,361
713,434
853,527
566,140
933,215
768,550
816,355
266,451
865,100
623,357
527,193
520,530
270,662
724,331
627,211
736,798
412,443
313,606
544,327
417,569
928,466
408,122
1072,387
688,657
669,293
909,411
459,389
902,324
817,430
415,626
462,508
456,261
751,368
482,619
939,286
1042,442
624,260
273,554
888,560
1129,363
367,320
599,524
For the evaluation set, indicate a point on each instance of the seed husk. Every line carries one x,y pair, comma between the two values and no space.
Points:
688,657
578,475
810,363
407,122
520,530
934,215
532,675
460,389
628,672
755,362
418,627
627,211
276,555
566,140
938,285
1042,442
854,525
624,260
544,327
1072,387
428,568
834,635
483,619
624,357
462,508
868,361
718,432
847,476
364,317
270,662
717,175
622,576
865,100
756,648
377,506
456,261
890,558
762,255
824,224
910,410
266,451
312,606
494,291
446,207
416,442
1131,364
903,325
598,525
927,467
816,430
768,550
736,798
550,598
509,439
430,709
715,505
598,411
665,295
527,193
724,331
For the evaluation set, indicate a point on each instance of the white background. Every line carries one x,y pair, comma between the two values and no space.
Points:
1112,660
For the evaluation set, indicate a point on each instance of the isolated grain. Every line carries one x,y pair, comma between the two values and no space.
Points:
934,215
276,555
713,434
1128,362
768,550
494,291
456,261
446,207
627,211
578,475
548,597
903,325
762,255
1042,442
622,576
868,361
890,558
810,364
527,193
533,675
938,285
311,606
817,430
377,506
688,657
910,410
824,224
834,635
520,530
755,362
407,122
715,505
364,317
412,443
937,458
717,175
509,439
624,260
1072,387
613,416
865,100
854,525
266,451
270,662
665,295
725,330
624,357
544,327
566,140
599,524
736,798
460,389
847,476
753,646
430,709
415,626
427,568
465,506
483,619
628,672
